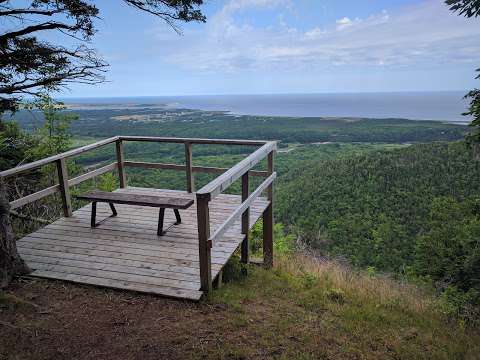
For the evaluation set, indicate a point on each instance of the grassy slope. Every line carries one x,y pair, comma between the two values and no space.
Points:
308,309
302,309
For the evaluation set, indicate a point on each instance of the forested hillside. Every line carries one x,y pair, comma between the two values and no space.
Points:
154,120
413,211
406,209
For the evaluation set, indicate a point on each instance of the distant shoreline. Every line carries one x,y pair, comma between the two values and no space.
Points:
440,107
435,106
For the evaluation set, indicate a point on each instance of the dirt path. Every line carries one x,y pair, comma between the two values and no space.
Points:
55,320
284,313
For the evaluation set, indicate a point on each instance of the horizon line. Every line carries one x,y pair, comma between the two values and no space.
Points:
264,94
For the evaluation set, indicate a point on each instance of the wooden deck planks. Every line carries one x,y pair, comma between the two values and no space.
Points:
124,252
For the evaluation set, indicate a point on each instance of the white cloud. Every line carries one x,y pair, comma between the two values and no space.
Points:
344,23
427,33
314,33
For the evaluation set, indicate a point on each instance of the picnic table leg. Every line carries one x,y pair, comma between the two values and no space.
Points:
177,217
161,215
114,211
94,214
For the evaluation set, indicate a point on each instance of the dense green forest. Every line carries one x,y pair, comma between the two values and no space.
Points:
150,120
387,195
413,211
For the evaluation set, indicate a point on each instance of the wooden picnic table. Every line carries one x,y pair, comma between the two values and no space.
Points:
162,202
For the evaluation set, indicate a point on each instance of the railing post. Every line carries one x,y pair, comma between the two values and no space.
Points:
245,258
188,165
268,220
204,244
64,188
120,163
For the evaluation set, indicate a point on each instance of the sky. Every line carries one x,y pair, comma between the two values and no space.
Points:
287,46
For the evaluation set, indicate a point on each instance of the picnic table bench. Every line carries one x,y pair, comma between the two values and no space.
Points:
162,202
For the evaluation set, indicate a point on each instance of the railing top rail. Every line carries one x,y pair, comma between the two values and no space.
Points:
243,206
80,150
222,182
194,140
48,160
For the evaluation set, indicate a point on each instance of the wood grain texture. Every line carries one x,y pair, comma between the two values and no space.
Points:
177,140
245,219
64,187
178,167
136,199
125,252
120,163
51,159
91,174
34,197
221,183
188,167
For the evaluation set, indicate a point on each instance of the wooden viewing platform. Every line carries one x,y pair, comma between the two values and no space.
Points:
125,252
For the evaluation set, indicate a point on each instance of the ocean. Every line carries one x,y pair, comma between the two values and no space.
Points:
439,106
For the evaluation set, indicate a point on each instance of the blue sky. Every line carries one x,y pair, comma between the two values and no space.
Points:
287,46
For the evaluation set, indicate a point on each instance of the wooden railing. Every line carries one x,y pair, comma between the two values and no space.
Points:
64,182
242,170
220,184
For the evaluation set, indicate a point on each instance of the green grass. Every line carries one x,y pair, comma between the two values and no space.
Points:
305,309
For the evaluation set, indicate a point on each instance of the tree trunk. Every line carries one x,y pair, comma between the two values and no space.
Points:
11,264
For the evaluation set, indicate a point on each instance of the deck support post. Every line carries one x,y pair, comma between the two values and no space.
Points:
64,188
120,163
204,244
188,167
268,220
245,256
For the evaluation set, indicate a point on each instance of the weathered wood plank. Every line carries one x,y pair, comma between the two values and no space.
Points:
34,197
220,210
204,245
188,225
54,230
117,255
268,219
178,167
126,245
187,247
188,167
222,251
216,208
120,163
187,272
51,159
106,257
135,199
94,265
123,285
239,211
245,220
31,241
115,275
130,225
194,140
64,187
91,174
144,233
222,182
